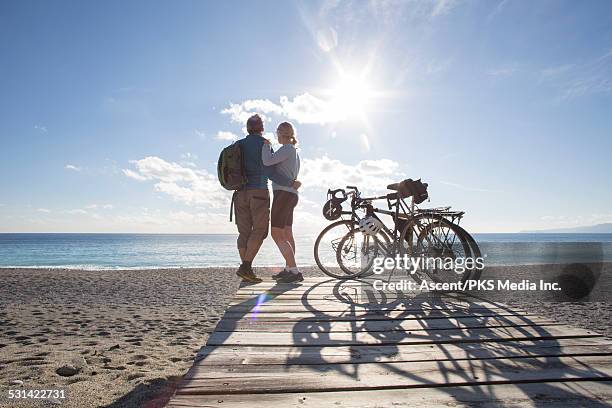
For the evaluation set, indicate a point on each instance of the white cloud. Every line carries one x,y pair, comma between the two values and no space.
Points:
442,7
304,109
368,175
72,167
42,129
327,39
240,112
189,156
43,210
99,206
77,211
588,77
184,184
134,175
200,133
223,135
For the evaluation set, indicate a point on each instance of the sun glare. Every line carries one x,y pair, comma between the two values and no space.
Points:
351,96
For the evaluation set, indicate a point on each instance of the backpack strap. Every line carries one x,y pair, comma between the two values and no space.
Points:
244,176
232,204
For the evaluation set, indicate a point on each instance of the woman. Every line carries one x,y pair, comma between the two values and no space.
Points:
287,161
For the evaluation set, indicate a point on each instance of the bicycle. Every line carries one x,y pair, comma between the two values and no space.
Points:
428,233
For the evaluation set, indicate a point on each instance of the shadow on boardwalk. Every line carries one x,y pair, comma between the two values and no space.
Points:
456,344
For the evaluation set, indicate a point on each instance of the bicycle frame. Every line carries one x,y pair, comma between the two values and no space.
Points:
414,231
399,210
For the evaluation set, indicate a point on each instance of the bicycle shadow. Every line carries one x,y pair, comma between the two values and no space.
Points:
454,327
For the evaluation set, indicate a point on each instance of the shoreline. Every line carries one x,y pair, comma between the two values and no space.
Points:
131,334
234,265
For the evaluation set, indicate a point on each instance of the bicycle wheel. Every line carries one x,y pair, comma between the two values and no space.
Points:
357,252
476,253
444,250
326,246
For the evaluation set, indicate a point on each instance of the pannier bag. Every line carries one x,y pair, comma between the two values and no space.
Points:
411,188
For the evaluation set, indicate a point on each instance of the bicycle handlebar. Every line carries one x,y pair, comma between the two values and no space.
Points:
343,192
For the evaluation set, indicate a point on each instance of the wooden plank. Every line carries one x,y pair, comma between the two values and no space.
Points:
319,337
442,354
338,377
385,325
369,315
328,299
413,298
289,355
357,294
364,290
338,306
252,301
597,394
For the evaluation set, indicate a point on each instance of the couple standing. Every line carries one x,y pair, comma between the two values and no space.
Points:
252,202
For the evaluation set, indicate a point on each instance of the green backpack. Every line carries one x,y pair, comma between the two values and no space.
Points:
230,168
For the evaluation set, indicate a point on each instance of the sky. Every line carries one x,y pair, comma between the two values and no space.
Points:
113,114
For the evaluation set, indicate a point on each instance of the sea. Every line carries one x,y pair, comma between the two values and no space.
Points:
146,251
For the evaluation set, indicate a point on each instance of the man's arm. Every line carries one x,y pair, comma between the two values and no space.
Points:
274,175
271,158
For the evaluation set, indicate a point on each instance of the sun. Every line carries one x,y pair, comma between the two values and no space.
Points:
351,96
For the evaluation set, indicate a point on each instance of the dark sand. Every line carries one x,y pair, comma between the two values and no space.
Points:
132,334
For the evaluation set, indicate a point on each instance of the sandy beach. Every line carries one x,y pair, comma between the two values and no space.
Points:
124,338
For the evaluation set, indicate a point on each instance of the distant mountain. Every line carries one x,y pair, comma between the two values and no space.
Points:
591,229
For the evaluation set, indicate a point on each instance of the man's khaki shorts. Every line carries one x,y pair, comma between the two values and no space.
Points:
252,208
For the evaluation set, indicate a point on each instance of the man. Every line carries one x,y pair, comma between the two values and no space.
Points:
252,202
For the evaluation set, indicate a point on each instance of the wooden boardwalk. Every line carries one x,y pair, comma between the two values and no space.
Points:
327,343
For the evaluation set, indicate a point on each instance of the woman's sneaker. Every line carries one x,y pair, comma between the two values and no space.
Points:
290,277
280,274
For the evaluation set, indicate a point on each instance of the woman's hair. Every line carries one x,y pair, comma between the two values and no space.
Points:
286,130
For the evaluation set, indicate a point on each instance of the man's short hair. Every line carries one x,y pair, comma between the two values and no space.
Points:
255,125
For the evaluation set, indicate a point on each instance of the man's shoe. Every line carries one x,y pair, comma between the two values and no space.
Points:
280,274
248,275
291,277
